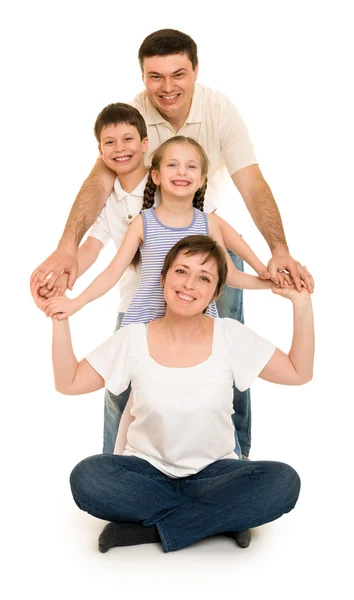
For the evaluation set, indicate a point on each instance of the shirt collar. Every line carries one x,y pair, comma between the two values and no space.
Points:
139,190
194,115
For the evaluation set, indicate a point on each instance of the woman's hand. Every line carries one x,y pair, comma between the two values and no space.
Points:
291,292
61,307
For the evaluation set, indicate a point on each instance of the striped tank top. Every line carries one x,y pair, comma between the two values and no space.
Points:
149,302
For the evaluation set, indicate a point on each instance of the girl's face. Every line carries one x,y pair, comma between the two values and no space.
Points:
190,284
180,172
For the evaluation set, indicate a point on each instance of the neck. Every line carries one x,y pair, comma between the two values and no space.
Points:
179,327
129,181
179,120
175,205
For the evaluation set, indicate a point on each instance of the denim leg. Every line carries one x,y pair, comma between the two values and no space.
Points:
113,409
124,489
230,495
230,304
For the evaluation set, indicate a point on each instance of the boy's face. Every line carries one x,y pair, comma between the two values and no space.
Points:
121,148
169,82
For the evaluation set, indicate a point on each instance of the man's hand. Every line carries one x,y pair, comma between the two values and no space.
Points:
282,261
61,307
60,261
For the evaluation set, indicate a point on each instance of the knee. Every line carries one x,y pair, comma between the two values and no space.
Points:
82,476
290,483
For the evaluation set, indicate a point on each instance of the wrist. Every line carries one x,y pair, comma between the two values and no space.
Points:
68,244
280,249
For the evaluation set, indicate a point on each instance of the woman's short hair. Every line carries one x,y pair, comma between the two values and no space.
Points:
198,244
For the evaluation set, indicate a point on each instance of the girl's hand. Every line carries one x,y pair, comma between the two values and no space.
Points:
283,278
35,291
60,287
61,307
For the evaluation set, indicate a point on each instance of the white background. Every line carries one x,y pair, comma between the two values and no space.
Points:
288,68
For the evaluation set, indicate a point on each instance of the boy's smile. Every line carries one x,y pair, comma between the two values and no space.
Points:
121,148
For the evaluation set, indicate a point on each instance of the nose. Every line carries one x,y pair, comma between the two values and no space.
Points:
181,169
167,86
119,146
189,283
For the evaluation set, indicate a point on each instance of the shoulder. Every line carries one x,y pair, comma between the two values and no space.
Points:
139,102
214,97
230,327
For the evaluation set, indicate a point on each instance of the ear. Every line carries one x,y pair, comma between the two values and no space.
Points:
145,144
196,70
155,176
100,149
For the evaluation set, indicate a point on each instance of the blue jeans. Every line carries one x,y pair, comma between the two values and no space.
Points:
228,495
229,304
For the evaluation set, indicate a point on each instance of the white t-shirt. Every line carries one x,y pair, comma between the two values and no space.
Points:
112,224
182,415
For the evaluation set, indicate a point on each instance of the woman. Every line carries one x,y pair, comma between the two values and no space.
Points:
179,479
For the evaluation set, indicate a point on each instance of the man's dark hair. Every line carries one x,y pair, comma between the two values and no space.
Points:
168,41
113,114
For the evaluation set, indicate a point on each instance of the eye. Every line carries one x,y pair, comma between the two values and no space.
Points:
108,142
171,164
128,139
203,278
154,77
181,271
192,166
179,75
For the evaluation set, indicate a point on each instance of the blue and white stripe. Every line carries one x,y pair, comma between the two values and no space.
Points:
149,303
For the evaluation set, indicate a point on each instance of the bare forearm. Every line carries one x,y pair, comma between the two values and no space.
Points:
64,360
266,215
88,203
303,345
244,281
234,242
87,255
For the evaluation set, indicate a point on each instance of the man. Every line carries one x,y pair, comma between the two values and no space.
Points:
171,104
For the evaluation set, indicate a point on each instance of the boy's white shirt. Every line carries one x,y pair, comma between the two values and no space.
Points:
112,224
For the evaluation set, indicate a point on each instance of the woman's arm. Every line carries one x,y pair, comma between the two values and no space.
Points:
296,367
124,424
70,376
106,280
235,278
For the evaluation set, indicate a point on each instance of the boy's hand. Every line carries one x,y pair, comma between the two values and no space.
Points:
61,287
282,279
61,307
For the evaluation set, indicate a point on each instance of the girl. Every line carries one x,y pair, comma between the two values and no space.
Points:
179,168
179,479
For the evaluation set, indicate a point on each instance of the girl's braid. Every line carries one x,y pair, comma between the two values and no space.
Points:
198,200
149,193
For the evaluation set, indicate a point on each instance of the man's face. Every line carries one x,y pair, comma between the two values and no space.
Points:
121,148
169,82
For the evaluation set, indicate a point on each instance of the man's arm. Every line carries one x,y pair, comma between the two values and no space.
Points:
263,209
88,203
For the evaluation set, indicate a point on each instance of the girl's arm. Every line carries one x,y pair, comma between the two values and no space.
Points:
70,376
235,278
124,424
106,280
296,367
236,243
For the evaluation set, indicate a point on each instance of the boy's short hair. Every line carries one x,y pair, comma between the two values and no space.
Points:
198,244
168,41
113,114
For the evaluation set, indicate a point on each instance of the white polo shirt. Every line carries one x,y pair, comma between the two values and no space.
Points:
112,224
215,123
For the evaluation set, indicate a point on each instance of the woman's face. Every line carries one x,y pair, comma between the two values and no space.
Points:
190,284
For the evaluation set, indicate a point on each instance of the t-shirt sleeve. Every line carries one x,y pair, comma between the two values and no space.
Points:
113,359
235,143
100,229
249,352
209,206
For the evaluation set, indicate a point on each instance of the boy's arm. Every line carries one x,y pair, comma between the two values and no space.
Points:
295,368
235,278
70,376
124,424
88,203
106,280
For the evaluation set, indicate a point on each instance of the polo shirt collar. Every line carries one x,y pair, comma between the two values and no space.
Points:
194,115
139,190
